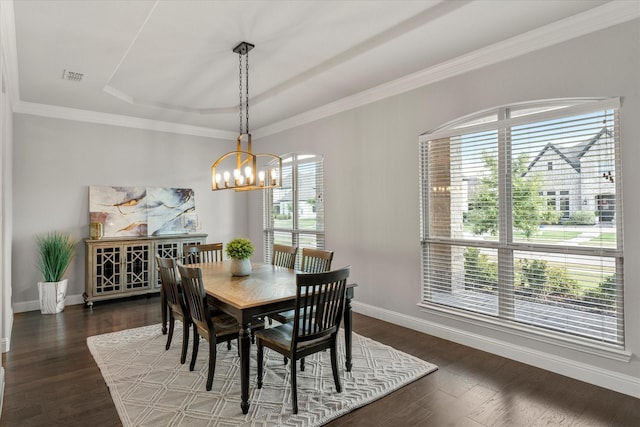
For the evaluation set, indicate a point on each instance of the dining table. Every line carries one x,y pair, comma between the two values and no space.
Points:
268,289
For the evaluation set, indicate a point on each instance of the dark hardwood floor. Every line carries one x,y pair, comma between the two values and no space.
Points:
52,379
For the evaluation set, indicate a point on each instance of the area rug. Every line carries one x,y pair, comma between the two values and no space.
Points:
150,387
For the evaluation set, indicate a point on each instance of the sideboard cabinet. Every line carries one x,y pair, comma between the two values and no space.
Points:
121,267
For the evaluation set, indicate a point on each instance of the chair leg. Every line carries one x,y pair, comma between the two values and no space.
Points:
229,345
294,387
196,343
334,366
260,362
302,364
212,361
185,341
170,334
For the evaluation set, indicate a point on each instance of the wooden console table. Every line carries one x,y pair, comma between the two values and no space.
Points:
125,266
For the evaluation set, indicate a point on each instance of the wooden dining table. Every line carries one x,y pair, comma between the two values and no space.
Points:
268,289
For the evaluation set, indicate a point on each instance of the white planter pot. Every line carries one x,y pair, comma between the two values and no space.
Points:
240,267
52,296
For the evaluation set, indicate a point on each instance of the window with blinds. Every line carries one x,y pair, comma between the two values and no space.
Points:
520,218
294,213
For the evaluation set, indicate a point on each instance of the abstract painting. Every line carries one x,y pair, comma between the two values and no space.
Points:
142,211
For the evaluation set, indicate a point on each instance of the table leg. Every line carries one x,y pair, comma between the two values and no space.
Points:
245,345
348,325
164,308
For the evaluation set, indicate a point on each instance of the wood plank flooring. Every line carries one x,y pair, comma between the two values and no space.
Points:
52,379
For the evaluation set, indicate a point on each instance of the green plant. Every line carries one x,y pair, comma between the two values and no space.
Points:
581,218
239,248
56,250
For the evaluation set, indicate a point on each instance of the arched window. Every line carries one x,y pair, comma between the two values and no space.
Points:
294,213
510,240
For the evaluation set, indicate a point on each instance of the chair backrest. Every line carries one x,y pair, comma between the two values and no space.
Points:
194,294
320,303
206,252
316,260
169,281
284,256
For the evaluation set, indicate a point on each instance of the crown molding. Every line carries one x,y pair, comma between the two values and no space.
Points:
119,120
9,51
605,16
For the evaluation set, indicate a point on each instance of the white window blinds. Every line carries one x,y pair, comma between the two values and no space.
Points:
294,213
520,218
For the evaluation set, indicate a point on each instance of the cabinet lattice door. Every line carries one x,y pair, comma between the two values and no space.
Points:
137,266
107,270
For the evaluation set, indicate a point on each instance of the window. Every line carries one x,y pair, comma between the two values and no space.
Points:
506,237
294,213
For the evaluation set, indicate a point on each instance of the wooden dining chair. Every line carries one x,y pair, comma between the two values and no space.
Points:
215,327
313,261
320,299
206,252
316,260
175,302
284,256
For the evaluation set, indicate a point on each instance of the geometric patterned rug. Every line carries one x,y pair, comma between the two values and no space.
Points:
150,387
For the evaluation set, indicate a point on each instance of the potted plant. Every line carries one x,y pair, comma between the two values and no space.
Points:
239,250
55,250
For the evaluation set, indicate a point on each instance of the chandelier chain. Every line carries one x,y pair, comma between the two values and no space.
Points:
240,90
247,91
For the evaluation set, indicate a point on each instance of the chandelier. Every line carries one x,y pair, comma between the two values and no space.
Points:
241,170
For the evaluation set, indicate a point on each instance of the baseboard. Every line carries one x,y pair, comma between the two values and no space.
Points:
21,307
588,373
1,389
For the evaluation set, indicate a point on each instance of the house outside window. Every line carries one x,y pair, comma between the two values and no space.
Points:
294,213
529,253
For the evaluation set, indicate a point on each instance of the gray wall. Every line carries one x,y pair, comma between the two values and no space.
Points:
55,162
372,204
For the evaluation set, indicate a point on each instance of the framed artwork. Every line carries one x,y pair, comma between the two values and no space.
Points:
142,211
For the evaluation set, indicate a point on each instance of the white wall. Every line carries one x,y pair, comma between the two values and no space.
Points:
55,162
371,184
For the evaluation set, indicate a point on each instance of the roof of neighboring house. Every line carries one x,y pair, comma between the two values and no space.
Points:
571,155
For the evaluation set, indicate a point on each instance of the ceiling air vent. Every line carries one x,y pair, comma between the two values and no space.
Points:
72,76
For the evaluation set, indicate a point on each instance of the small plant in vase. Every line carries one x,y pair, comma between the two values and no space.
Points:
240,250
56,250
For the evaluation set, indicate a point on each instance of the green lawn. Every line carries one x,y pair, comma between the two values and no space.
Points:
607,240
545,236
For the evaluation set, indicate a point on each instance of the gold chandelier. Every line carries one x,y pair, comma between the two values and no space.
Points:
243,170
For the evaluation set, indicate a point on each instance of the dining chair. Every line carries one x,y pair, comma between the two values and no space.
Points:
320,299
313,261
316,260
206,252
215,327
175,302
284,256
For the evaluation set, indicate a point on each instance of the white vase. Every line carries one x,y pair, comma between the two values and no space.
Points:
240,267
52,296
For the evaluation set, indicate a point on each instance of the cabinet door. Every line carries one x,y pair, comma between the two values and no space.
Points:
137,266
167,249
107,270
